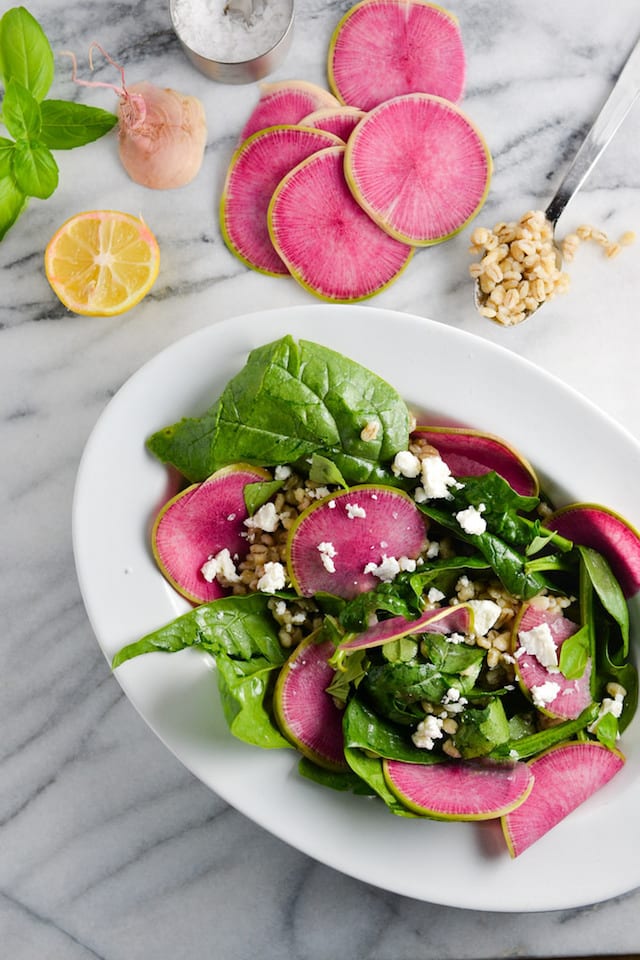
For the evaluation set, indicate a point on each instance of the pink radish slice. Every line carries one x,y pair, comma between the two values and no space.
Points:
334,539
385,48
306,713
340,121
564,777
256,168
419,168
459,790
469,453
604,530
330,246
197,524
444,620
284,102
573,696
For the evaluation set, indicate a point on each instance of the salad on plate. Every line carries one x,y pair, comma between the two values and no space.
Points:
399,602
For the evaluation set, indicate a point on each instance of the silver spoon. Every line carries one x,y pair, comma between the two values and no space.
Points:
624,94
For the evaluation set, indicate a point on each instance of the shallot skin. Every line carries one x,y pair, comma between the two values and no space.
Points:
162,136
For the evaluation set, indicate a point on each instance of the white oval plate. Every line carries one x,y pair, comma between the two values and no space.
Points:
580,454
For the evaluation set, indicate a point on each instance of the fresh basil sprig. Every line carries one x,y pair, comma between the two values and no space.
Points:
36,126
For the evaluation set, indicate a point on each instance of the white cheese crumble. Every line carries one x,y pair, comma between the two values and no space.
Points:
273,578
539,643
434,595
221,564
389,567
266,518
406,464
612,705
485,614
354,510
545,693
282,472
436,479
471,519
327,553
427,731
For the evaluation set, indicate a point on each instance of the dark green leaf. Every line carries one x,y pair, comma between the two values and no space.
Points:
34,169
481,730
25,52
606,730
324,472
291,400
21,112
335,780
367,731
530,745
246,703
66,125
347,678
370,770
12,203
608,590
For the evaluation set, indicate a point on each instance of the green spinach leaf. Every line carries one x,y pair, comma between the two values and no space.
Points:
370,770
365,730
608,590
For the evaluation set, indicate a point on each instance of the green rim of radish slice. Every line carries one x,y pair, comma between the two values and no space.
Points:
385,48
604,530
197,524
564,777
255,170
419,167
470,453
328,243
286,102
459,790
306,713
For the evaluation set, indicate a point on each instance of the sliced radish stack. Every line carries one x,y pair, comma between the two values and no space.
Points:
338,120
328,243
286,101
419,167
256,168
385,48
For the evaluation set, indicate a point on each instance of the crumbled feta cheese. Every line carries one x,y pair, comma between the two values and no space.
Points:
220,564
485,614
317,493
452,695
266,518
231,516
471,519
427,731
370,431
436,479
406,563
273,578
612,705
280,608
539,643
332,504
327,553
434,595
406,464
354,510
387,570
545,693
456,638
432,550
282,472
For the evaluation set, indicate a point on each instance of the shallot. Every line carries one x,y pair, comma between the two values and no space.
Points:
162,133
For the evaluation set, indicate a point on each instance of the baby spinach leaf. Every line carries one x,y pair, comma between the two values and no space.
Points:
324,472
25,52
608,590
481,730
257,494
367,731
246,697
606,730
65,125
291,400
349,674
334,779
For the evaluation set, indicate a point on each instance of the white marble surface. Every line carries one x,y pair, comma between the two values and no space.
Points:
108,847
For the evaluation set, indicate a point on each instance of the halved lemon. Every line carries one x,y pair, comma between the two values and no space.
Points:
102,262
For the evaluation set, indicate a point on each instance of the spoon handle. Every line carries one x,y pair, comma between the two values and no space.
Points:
622,97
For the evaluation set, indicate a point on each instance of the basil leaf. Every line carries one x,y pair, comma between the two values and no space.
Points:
6,157
291,400
21,112
12,203
66,125
34,169
25,52
324,471
257,494
574,654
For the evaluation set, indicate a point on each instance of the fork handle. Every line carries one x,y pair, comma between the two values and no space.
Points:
622,97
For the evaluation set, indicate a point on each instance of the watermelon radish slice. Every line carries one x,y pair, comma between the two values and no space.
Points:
419,168
256,169
572,696
332,541
455,619
564,777
469,453
306,713
591,525
197,524
340,121
385,48
328,243
460,790
285,102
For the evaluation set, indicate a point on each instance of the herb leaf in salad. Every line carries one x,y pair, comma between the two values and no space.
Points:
437,679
